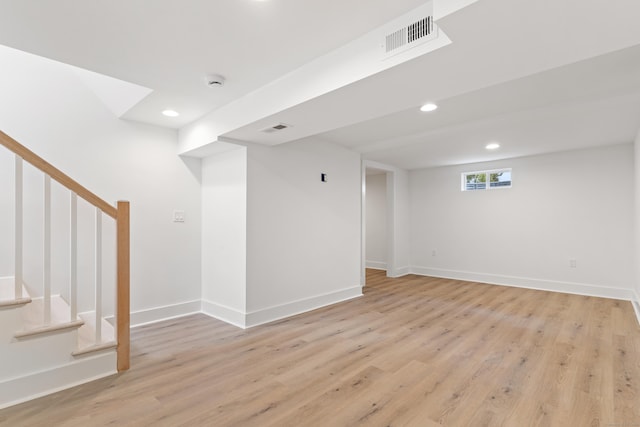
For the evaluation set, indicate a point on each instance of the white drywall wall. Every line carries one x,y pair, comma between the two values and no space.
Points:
224,229
401,223
303,235
47,108
571,205
376,221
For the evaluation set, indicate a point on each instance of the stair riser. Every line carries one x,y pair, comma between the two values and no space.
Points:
21,357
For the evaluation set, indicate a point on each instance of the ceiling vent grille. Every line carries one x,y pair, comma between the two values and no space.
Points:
396,40
409,36
420,29
275,128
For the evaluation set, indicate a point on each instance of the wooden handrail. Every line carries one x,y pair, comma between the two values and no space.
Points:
121,215
55,173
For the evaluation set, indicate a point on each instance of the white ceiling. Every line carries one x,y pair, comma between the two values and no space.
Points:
537,76
589,103
170,46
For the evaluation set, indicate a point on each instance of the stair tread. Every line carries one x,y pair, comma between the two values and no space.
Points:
95,347
33,317
7,293
43,329
87,333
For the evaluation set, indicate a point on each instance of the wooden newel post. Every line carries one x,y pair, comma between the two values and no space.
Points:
123,292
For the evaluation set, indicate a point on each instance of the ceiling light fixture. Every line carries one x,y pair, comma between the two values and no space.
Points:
429,107
170,113
492,146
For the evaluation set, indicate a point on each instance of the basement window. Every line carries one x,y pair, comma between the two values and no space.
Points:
483,180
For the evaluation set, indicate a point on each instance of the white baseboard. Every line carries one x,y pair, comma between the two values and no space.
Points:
528,283
224,313
398,272
376,265
270,314
236,317
158,314
636,305
90,368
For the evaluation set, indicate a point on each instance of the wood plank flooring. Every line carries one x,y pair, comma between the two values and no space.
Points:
414,351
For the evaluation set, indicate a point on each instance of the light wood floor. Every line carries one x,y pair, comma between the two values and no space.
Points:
413,351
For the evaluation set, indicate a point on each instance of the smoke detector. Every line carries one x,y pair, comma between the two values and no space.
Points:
215,80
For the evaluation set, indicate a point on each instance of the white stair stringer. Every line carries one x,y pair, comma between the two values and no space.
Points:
7,294
38,360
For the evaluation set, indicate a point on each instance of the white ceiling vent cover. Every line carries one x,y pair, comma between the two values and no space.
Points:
409,36
275,128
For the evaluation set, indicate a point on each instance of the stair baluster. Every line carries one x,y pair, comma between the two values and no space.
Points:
47,250
73,256
18,278
98,277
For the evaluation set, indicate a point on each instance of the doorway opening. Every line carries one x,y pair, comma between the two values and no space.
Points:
377,218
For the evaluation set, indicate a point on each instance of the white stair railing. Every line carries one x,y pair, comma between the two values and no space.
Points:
120,214
47,254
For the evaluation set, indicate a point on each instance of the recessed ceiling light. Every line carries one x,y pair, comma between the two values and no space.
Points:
492,146
170,113
429,107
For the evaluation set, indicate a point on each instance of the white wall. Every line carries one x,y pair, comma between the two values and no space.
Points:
224,235
401,223
303,235
376,221
572,205
45,107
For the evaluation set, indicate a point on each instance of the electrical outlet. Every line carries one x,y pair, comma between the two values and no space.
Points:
434,253
573,263
178,216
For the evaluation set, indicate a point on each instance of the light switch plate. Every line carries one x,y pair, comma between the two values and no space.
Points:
178,216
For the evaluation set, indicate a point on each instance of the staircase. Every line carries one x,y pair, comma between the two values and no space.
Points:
58,330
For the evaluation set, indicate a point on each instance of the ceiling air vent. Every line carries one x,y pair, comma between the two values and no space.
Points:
275,128
410,36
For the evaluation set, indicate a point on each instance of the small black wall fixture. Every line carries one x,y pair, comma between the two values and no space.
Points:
323,177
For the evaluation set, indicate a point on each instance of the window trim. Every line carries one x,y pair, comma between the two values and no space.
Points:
487,173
